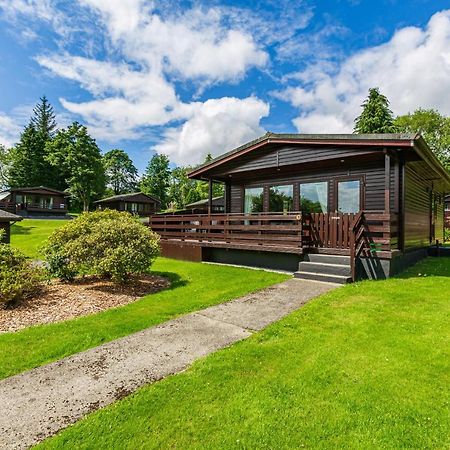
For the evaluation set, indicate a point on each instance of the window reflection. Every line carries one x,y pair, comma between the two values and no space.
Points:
314,197
281,198
349,196
253,200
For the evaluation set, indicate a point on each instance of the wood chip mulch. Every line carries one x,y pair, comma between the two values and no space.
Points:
60,301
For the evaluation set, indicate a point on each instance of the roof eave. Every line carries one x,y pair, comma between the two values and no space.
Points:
274,140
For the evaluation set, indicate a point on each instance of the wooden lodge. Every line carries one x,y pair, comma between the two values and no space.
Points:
137,203
202,206
35,201
329,207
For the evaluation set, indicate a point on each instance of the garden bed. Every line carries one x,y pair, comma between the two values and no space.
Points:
60,301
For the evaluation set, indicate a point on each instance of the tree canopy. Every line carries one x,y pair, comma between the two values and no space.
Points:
434,127
121,174
44,119
78,158
156,179
376,117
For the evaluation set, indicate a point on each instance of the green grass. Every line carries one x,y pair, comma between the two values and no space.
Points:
194,286
29,234
363,367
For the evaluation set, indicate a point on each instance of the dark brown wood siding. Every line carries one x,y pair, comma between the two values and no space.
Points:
370,172
419,195
286,156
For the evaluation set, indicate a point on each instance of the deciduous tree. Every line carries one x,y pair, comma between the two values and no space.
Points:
156,179
434,127
121,174
78,157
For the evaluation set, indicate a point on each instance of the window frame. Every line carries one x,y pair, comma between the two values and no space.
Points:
362,193
313,181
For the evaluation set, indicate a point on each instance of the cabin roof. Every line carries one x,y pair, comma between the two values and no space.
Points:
215,200
391,140
128,197
32,189
8,217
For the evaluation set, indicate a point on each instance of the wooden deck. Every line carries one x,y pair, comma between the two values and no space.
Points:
295,233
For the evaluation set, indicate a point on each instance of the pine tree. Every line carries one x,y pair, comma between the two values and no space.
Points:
156,179
29,165
376,117
44,119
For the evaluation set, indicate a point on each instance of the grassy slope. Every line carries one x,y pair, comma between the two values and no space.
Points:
194,286
29,234
365,366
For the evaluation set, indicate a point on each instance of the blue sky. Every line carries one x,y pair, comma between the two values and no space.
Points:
188,78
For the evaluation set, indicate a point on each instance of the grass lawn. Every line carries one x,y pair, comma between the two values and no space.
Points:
194,286
29,234
365,366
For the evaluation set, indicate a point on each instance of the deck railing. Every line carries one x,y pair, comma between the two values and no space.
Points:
274,232
365,233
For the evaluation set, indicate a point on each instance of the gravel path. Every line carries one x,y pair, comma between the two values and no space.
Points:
42,401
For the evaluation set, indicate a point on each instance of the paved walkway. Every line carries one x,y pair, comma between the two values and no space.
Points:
42,401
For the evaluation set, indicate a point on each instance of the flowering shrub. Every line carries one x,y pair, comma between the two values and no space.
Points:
108,243
18,278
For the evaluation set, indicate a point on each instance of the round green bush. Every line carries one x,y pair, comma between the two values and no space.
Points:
107,243
18,277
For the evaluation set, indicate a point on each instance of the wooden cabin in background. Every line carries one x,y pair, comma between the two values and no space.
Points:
201,207
335,207
35,201
138,203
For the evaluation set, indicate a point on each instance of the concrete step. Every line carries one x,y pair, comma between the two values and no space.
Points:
327,259
339,279
325,268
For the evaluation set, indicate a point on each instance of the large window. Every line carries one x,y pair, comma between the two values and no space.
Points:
281,198
253,200
349,197
314,197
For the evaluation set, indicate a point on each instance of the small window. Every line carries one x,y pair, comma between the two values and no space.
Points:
314,197
281,198
349,196
253,200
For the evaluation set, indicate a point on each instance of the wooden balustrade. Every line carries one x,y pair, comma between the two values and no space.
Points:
271,232
8,206
366,233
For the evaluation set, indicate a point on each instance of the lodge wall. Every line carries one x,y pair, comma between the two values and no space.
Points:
419,195
372,174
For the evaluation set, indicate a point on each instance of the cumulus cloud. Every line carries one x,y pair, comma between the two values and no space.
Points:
9,130
215,125
412,69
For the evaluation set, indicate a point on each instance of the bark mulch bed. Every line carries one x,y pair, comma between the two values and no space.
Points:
60,301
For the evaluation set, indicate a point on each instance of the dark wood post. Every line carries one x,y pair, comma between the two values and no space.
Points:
210,194
387,182
227,198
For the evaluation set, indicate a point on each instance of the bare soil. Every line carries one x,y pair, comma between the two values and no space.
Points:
60,301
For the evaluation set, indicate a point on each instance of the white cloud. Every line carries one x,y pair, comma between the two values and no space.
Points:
9,130
412,70
216,125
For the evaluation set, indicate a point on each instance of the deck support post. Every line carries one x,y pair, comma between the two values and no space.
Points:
210,194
